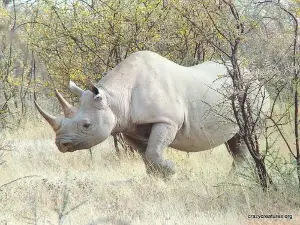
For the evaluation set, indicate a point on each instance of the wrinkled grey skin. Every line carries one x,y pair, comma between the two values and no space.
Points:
155,103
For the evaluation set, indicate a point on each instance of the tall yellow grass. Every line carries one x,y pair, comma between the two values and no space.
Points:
40,185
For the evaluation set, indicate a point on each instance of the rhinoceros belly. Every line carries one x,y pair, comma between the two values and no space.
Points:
204,135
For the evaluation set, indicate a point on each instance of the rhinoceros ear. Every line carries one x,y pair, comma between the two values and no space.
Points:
94,90
75,89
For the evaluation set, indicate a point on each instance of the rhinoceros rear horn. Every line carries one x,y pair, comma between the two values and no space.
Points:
67,107
52,120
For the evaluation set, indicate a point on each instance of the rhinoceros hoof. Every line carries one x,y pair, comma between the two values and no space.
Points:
164,169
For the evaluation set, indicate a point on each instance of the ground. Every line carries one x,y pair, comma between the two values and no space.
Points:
40,185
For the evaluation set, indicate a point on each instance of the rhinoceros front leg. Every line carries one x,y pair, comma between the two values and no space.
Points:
161,136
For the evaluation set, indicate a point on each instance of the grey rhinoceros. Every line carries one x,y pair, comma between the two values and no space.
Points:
154,103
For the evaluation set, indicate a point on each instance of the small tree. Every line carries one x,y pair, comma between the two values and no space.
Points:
291,9
228,31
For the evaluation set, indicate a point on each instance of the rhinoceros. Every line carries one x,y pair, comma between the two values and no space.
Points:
155,103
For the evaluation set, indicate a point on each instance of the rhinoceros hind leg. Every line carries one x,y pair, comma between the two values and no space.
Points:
243,162
238,150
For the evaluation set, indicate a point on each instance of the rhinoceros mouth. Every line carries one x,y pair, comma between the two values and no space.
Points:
74,147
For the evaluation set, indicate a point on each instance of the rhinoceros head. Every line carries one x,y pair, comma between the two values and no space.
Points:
86,126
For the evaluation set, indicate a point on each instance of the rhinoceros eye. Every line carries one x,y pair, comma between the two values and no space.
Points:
86,126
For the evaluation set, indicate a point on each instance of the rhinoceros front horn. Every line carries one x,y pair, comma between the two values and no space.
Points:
52,120
67,107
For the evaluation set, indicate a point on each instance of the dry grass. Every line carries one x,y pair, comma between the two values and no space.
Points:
77,188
